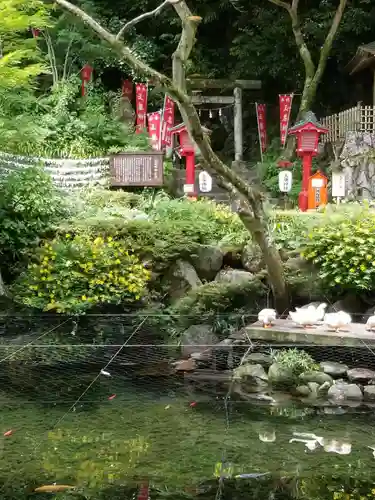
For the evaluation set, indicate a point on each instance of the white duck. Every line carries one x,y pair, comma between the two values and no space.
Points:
318,311
370,324
338,320
304,317
267,317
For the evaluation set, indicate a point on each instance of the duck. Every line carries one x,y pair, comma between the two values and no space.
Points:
319,311
305,317
336,321
267,317
370,324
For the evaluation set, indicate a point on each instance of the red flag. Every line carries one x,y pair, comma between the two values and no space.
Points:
285,102
154,129
86,73
168,121
141,106
127,89
262,125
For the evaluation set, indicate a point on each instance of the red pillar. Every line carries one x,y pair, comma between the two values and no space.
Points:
306,174
190,172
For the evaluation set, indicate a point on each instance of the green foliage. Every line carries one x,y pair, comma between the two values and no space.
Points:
19,62
29,206
342,247
74,274
224,304
268,173
60,124
296,360
214,222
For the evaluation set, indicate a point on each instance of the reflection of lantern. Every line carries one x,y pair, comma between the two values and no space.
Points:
307,132
86,73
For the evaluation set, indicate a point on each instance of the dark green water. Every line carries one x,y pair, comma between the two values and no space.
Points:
150,431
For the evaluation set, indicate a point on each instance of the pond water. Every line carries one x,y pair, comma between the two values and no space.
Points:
107,435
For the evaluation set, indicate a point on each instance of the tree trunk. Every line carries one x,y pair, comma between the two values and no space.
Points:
252,212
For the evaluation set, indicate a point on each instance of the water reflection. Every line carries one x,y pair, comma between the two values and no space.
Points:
152,433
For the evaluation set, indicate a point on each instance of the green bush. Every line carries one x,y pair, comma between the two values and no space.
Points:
221,304
74,274
343,248
29,207
295,360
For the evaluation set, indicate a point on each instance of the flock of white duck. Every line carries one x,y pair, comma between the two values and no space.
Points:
312,316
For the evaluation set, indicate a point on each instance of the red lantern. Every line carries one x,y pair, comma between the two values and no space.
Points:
307,132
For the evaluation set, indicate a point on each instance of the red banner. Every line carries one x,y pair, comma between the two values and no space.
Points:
168,121
154,129
262,125
285,102
86,74
141,106
127,89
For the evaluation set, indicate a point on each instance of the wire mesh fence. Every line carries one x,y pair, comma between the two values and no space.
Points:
97,404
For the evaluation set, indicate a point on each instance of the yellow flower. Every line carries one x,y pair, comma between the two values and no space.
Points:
67,236
84,297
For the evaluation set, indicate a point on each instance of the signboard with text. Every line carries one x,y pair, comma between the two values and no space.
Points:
137,169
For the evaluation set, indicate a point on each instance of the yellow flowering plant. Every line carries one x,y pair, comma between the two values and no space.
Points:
74,274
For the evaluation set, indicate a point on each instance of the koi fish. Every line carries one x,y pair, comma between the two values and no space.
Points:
111,397
53,488
105,373
8,433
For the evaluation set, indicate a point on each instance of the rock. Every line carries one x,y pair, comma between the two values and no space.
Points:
250,371
202,359
197,339
185,365
334,410
314,389
207,261
342,390
315,376
252,258
252,378
234,276
232,257
350,304
303,390
259,358
369,393
279,375
360,375
182,278
334,369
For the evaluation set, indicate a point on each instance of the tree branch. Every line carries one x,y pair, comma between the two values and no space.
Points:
144,16
327,46
253,216
280,3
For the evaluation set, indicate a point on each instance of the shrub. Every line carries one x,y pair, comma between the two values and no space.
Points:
29,206
295,360
343,248
75,274
219,303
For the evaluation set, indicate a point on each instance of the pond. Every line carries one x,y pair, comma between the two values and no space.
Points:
105,435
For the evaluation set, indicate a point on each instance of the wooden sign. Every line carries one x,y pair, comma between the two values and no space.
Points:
137,169
317,191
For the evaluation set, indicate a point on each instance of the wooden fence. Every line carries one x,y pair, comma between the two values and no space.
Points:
357,119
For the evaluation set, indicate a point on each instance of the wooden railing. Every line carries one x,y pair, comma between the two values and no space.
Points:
360,119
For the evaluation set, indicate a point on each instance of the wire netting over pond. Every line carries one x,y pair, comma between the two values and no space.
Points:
106,416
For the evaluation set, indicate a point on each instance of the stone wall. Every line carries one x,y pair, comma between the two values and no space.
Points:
66,173
358,166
